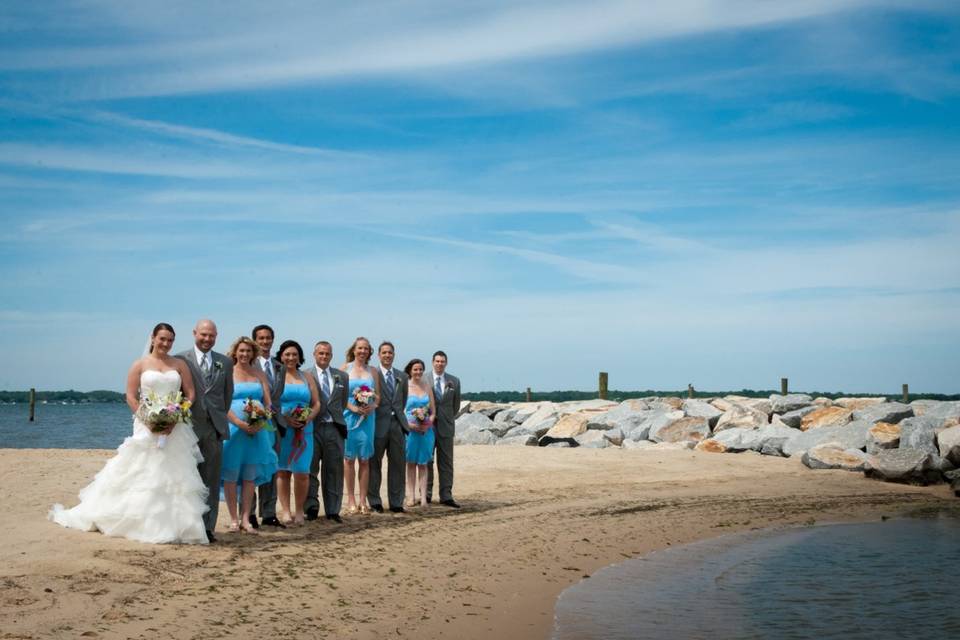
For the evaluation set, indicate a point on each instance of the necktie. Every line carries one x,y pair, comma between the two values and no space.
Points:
437,389
391,384
268,369
325,385
205,366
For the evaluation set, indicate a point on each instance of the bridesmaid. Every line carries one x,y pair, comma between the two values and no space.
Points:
421,439
360,418
296,446
248,455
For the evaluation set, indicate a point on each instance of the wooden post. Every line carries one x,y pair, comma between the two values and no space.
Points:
906,393
528,394
603,385
33,402
783,386
689,390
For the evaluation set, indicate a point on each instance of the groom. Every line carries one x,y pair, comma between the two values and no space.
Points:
213,381
446,396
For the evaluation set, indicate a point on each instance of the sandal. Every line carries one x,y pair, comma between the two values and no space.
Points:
234,527
248,529
364,510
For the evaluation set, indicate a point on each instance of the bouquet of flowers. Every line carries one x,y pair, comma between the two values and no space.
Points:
363,395
299,413
257,415
160,413
422,416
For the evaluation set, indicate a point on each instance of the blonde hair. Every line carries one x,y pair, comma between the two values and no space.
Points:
351,352
232,352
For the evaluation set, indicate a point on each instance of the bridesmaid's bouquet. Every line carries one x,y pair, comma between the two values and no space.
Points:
299,413
160,413
363,395
422,416
257,415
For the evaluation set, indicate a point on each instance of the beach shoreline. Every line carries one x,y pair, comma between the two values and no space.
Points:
535,521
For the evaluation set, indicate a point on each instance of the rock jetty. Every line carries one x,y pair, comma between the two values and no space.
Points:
915,443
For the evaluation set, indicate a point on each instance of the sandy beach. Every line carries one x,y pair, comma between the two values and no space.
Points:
534,521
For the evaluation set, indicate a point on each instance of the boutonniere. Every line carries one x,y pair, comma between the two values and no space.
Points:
448,386
217,365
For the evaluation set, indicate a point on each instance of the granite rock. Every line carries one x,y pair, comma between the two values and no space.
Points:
793,418
852,435
825,417
569,426
832,456
857,403
593,439
684,429
920,433
902,465
538,422
889,412
789,402
883,435
948,443
701,409
740,416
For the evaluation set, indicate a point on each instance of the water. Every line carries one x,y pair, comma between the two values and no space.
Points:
70,426
893,579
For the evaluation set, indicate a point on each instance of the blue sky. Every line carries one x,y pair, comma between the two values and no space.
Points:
720,193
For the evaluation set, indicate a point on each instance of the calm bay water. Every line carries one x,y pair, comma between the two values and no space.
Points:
893,579
59,426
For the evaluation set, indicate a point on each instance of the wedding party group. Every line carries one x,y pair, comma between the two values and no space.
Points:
253,428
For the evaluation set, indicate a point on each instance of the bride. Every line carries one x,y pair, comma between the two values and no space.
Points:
150,491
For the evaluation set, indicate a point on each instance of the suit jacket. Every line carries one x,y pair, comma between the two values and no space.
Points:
213,400
392,408
338,398
276,390
448,404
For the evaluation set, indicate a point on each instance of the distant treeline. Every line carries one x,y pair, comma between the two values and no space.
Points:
502,396
564,396
63,396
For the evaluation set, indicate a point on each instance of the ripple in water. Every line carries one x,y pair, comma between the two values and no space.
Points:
852,581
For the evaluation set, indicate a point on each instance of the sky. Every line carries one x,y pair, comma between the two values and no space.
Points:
720,193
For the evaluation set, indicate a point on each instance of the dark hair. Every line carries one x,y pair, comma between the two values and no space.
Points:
161,326
386,343
439,353
261,327
409,368
286,345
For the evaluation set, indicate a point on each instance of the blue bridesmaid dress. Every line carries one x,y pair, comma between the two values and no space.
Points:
296,446
247,458
419,445
360,429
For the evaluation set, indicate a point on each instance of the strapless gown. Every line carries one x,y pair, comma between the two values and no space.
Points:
145,492
296,446
246,457
419,445
360,429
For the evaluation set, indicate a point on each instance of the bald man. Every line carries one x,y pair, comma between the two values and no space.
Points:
213,379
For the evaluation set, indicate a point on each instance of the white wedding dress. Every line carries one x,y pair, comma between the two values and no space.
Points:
146,492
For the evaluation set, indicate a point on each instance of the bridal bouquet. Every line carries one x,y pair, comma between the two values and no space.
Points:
160,413
363,395
257,415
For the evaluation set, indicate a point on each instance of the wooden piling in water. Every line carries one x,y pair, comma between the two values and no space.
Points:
906,393
690,391
528,394
33,402
784,385
603,385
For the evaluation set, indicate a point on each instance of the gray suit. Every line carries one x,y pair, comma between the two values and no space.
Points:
267,492
390,437
210,422
329,435
448,406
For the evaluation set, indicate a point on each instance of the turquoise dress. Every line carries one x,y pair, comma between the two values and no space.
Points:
360,429
247,458
296,446
419,445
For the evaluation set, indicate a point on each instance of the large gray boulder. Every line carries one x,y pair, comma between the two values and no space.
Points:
889,412
948,444
760,404
920,433
686,429
830,456
920,407
596,405
770,439
793,418
852,435
668,403
702,409
539,422
614,436
474,428
489,409
654,419
946,412
528,440
883,435
789,402
902,465
568,426
741,416
825,417
593,439
624,417
858,403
